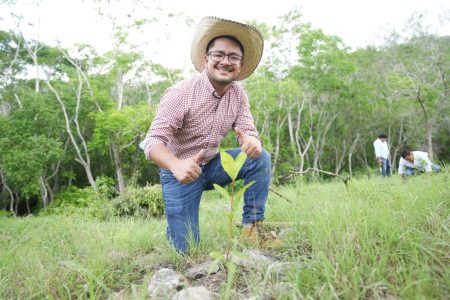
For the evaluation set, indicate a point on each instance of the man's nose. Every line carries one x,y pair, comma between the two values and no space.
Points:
227,59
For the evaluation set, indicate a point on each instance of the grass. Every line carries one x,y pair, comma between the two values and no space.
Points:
378,239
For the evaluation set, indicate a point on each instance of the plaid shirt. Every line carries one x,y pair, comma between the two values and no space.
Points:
191,117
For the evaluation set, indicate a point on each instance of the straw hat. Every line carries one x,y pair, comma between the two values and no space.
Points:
212,27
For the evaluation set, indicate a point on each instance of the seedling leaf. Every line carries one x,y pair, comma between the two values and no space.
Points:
221,190
227,162
243,189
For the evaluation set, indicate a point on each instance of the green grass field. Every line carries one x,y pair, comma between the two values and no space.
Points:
377,239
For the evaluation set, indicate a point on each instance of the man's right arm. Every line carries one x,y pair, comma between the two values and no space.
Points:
185,170
168,120
377,151
163,157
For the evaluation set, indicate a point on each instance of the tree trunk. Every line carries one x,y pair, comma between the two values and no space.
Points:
302,148
119,174
280,123
119,86
350,154
428,127
28,206
84,160
149,94
11,195
44,193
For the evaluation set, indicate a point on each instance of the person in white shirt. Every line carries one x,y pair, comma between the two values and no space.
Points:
416,162
382,154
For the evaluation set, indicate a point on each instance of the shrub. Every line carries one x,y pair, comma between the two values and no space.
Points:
6,214
140,202
106,187
76,201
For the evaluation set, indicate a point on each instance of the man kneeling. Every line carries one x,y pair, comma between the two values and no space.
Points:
193,118
415,162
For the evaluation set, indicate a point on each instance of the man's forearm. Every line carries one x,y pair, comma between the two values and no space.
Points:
163,157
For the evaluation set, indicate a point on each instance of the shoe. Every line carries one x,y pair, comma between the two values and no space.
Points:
249,234
260,236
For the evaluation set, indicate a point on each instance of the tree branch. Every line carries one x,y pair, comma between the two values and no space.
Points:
345,180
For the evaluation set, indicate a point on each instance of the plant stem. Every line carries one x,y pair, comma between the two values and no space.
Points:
230,220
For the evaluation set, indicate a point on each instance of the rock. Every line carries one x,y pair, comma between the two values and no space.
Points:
255,260
194,293
165,283
201,270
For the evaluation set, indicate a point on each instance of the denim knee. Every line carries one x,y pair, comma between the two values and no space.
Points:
409,172
263,161
436,168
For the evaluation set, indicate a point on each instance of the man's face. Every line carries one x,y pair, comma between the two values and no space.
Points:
223,72
383,139
409,157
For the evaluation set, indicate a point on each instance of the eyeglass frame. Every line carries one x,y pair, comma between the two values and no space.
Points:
226,55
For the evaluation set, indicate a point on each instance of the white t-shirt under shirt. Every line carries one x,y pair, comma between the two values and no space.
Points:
421,161
381,149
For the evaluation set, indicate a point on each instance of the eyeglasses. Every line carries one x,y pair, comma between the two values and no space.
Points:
219,56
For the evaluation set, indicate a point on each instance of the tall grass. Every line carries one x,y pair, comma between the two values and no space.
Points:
377,239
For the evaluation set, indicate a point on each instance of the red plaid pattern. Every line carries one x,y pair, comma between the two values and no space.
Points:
191,118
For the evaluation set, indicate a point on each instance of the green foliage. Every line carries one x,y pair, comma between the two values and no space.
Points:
123,127
310,87
106,187
6,214
143,202
351,243
80,202
231,167
24,160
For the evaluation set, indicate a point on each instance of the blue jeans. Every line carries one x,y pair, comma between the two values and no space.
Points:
410,171
182,201
385,167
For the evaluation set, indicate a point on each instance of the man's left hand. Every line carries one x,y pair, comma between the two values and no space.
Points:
249,144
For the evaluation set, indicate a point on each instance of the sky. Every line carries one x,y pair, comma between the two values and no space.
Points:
357,22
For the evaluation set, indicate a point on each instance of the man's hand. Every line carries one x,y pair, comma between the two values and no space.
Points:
187,170
249,144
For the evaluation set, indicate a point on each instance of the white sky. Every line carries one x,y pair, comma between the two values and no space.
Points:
357,22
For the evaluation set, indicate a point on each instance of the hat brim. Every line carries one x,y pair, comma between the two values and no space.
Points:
212,27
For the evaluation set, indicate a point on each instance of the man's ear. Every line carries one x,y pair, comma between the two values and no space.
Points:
206,60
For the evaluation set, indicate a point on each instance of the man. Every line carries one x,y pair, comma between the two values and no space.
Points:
192,119
382,154
415,162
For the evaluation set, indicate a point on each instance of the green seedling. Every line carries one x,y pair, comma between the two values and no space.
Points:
232,168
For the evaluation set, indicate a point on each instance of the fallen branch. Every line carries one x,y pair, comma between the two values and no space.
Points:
345,180
279,195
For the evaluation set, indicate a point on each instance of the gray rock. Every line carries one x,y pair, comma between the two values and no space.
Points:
254,259
165,283
194,293
201,270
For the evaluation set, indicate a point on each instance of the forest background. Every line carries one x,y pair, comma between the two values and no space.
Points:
73,118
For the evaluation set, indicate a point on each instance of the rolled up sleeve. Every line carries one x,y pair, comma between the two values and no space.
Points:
167,122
